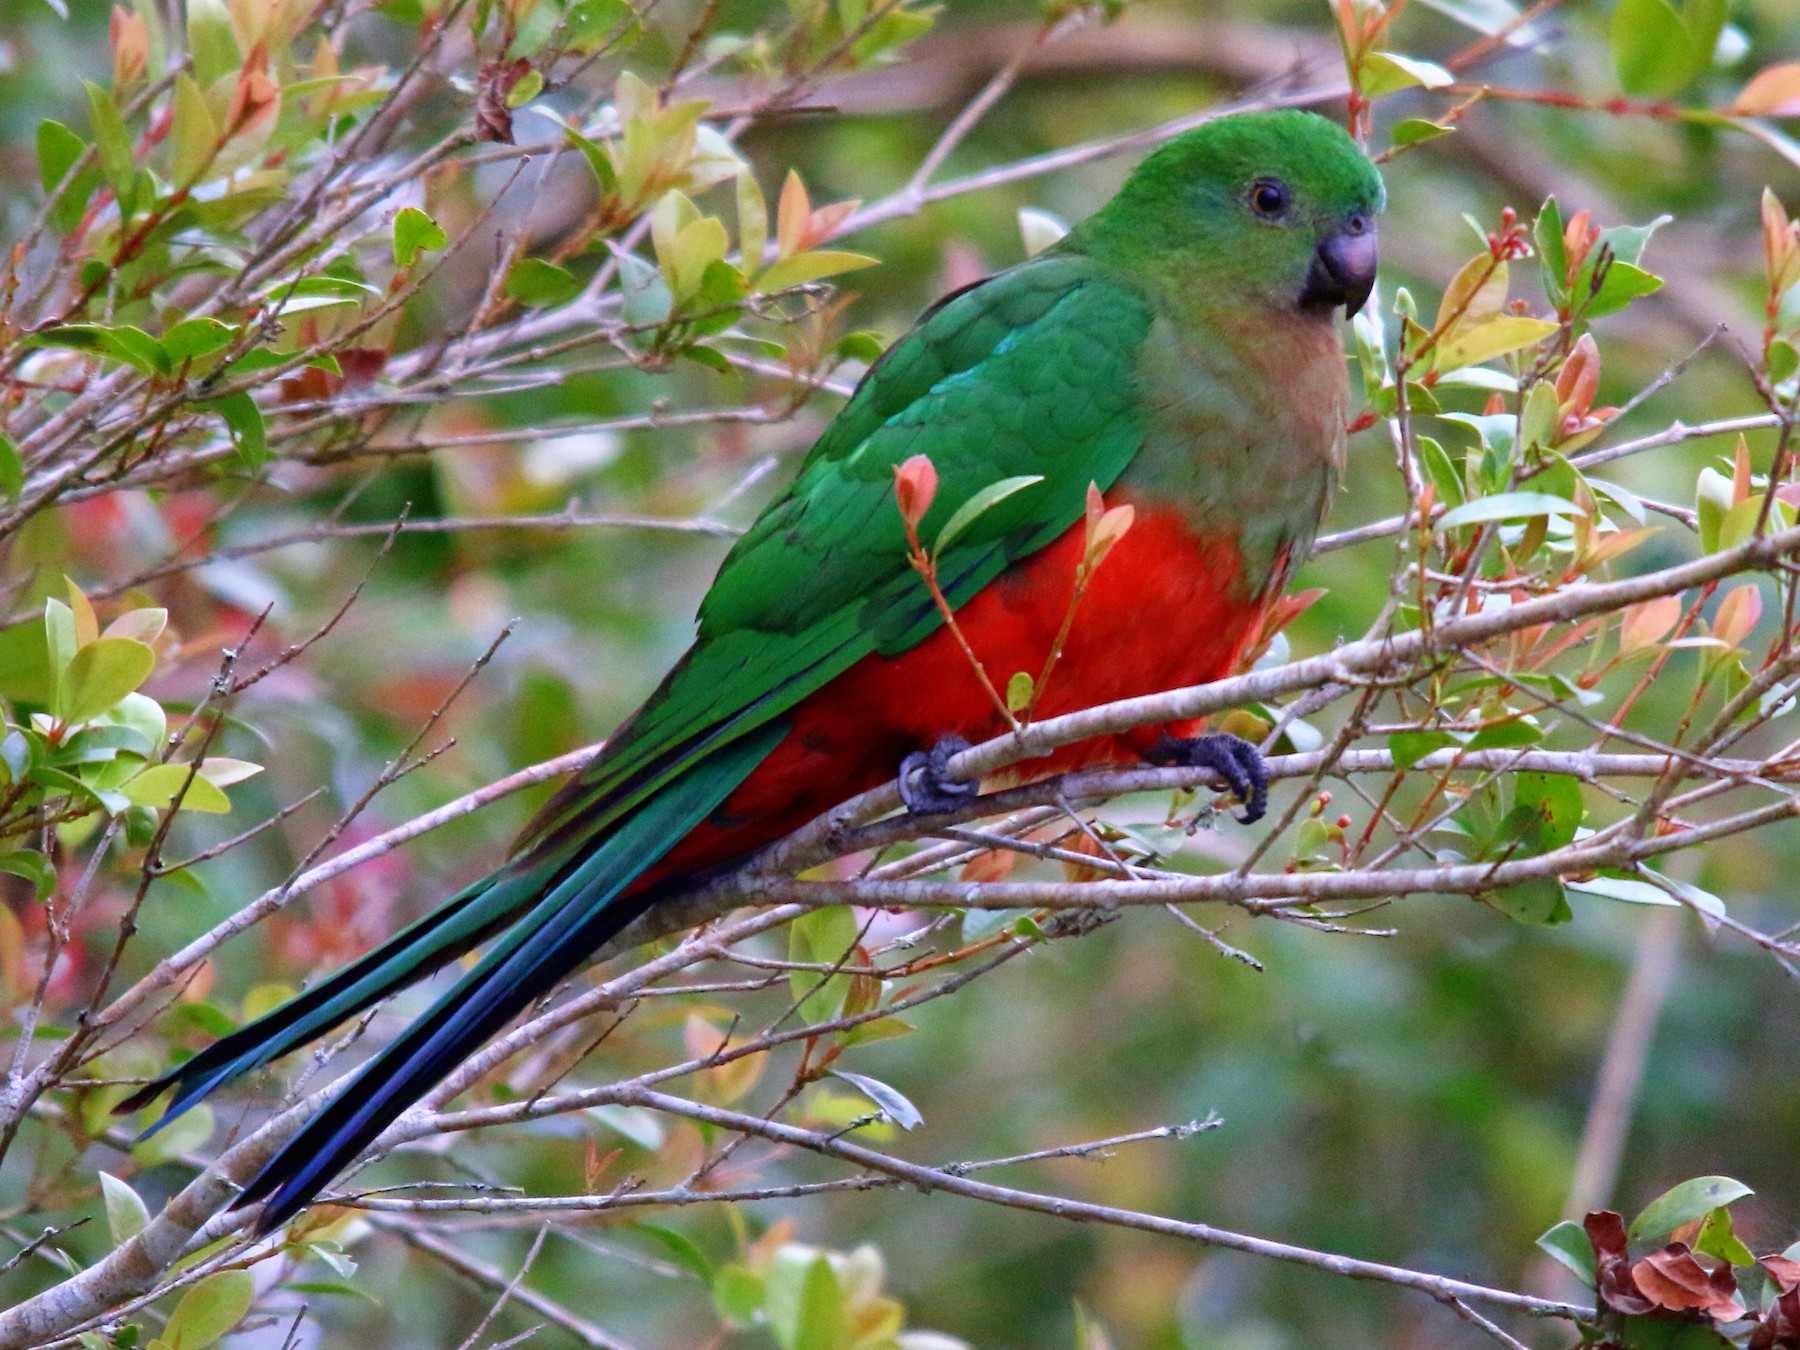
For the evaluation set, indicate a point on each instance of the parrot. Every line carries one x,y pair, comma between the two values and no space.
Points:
1176,352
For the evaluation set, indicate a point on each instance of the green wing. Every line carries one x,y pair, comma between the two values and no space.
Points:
1032,372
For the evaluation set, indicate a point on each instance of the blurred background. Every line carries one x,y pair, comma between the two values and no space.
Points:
1417,1099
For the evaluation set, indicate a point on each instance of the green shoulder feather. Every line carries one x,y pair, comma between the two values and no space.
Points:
1032,372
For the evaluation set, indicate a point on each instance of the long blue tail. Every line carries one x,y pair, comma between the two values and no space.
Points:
553,919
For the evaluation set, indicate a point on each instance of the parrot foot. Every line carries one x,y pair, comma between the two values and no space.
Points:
924,785
1235,760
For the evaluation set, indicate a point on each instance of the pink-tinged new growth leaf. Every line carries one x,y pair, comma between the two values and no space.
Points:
1107,531
1738,614
791,214
915,485
1579,236
798,227
1647,624
1774,92
256,99
1781,248
130,47
1579,379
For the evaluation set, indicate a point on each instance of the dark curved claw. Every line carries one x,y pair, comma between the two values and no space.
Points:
926,787
1235,760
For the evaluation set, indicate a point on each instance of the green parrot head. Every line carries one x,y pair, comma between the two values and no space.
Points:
1271,209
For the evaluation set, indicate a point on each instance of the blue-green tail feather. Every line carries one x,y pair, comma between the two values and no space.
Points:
572,913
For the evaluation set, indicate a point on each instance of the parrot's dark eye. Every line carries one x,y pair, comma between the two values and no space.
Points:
1269,198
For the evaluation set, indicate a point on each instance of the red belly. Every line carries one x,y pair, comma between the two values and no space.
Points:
1166,609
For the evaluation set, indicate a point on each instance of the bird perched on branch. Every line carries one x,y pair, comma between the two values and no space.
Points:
1145,421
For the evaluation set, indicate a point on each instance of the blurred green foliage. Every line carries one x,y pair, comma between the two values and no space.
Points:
1415,1099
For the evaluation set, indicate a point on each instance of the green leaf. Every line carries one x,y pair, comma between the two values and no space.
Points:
1388,72
893,1103
681,1249
1541,417
863,345
35,867
102,673
222,771
1784,360
752,222
1470,344
1652,50
1417,130
590,23
1683,1204
1717,1239
12,468
111,137
977,505
210,1309
1539,900
1556,799
1409,747
1739,523
880,1029
1507,735
192,339
210,41
60,639
812,266
1568,1243
1442,471
58,150
1705,20
688,253
193,135
1553,255
244,424
158,786
414,233
187,1132
126,1213
1626,243
978,924
737,1295
331,1289
819,1322
534,282
132,346
528,88
1019,690
820,937
1506,506
1623,283
644,295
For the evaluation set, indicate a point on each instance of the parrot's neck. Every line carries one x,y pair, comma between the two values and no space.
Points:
1246,417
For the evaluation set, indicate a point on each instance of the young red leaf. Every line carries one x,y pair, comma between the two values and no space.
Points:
1774,92
1579,379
